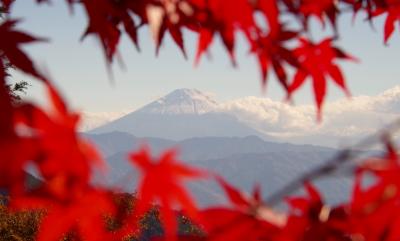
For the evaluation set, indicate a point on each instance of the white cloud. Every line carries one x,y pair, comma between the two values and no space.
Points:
343,120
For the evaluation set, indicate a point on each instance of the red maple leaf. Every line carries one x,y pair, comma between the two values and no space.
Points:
224,18
375,207
318,62
386,169
103,21
64,162
374,210
62,157
161,182
108,19
10,48
6,122
249,219
311,219
13,160
368,6
6,3
319,9
168,16
270,9
272,53
392,9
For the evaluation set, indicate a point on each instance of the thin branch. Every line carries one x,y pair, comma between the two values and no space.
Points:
342,157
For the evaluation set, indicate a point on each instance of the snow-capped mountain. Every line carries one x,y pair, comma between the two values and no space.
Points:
182,114
187,113
182,101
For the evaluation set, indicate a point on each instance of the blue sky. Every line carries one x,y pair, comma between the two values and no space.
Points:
78,68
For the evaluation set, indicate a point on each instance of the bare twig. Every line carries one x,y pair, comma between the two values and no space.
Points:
342,157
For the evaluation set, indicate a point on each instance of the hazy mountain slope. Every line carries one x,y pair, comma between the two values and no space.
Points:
91,120
272,170
242,161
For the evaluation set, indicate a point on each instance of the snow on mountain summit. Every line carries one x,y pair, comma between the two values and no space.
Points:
182,101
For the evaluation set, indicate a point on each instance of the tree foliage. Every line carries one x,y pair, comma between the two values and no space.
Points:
17,225
74,208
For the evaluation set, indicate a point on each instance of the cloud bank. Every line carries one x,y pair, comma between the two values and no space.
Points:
344,121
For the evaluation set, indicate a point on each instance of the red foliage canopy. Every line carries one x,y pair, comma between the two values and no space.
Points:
49,141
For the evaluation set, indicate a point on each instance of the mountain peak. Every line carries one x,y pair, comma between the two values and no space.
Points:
182,101
186,91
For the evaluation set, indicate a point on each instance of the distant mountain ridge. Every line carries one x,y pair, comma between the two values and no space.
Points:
243,161
198,148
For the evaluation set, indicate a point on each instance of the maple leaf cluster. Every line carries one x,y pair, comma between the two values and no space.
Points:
270,39
49,142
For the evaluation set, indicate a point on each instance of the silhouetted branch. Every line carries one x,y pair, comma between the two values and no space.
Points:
342,157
